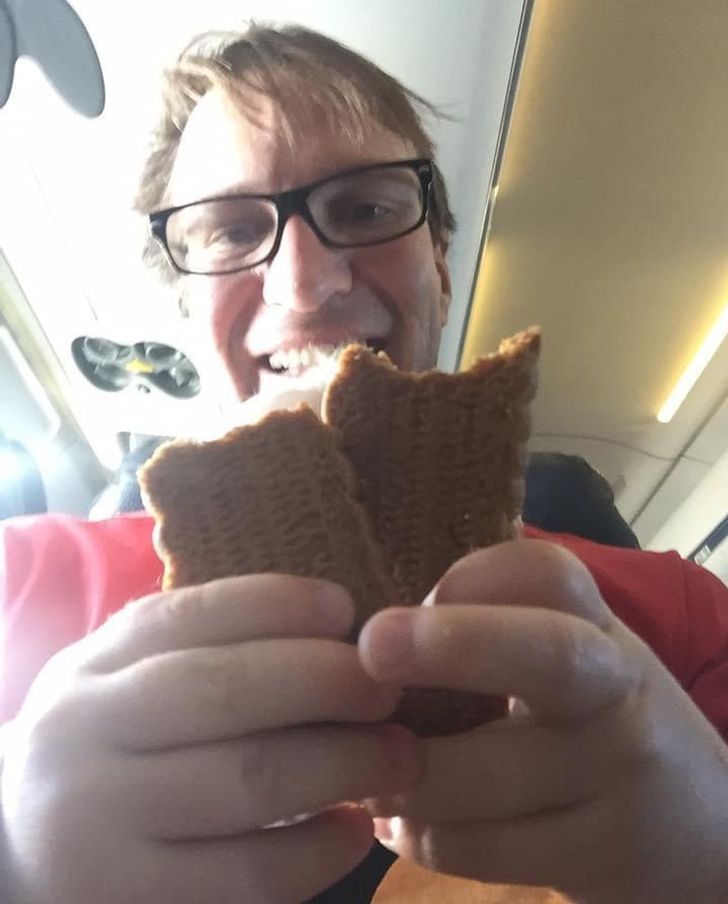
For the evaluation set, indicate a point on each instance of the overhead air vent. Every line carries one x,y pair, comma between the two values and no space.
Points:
148,366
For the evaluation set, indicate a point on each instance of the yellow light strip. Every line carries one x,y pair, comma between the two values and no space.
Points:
709,347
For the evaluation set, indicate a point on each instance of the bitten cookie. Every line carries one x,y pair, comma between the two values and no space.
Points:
277,496
440,460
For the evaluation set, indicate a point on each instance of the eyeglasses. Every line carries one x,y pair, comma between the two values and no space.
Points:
364,206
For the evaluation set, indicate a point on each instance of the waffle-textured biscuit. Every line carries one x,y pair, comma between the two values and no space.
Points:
441,460
440,457
277,496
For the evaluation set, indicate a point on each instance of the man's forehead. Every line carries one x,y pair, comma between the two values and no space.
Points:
223,149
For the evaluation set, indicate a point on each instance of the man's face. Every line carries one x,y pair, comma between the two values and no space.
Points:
395,294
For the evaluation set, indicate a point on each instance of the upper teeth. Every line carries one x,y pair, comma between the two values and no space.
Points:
298,359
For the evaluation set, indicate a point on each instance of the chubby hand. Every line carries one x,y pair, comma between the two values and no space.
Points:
155,760
605,783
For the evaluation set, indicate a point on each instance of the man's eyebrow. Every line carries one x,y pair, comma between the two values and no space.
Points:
248,188
223,192
242,188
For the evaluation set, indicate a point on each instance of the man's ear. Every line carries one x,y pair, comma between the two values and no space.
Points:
443,271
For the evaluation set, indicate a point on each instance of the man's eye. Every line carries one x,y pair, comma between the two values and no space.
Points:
236,235
360,212
369,212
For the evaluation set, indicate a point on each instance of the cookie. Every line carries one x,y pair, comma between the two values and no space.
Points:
440,460
276,496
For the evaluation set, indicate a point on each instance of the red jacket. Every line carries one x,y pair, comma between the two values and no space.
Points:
61,578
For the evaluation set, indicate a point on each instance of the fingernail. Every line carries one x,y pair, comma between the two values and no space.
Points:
429,600
390,645
336,606
388,830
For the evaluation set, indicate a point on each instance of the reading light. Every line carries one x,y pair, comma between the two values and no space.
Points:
703,356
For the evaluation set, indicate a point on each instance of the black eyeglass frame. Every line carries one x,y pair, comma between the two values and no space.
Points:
293,202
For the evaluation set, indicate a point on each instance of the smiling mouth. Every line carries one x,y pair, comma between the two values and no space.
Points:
294,362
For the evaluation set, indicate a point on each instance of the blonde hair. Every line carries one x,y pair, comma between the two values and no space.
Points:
345,91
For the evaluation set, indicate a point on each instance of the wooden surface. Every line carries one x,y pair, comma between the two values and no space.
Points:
406,883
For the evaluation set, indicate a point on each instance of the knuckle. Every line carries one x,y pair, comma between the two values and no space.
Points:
560,569
220,681
51,740
195,600
647,732
140,610
585,666
50,724
173,605
567,579
260,778
163,608
568,653
52,712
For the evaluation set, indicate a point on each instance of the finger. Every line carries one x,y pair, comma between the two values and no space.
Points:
235,787
534,573
561,848
216,693
273,866
512,769
564,668
227,611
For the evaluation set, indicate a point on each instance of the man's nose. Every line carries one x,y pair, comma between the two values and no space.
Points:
304,274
